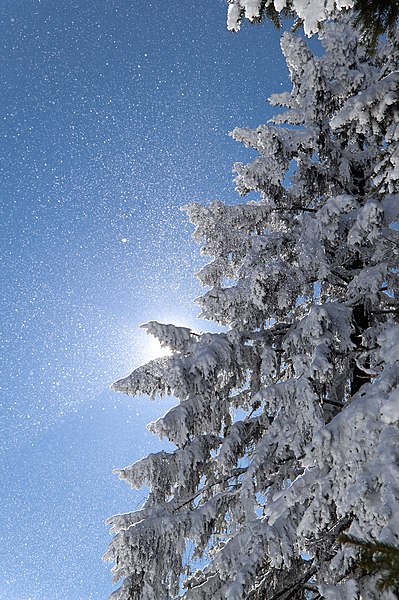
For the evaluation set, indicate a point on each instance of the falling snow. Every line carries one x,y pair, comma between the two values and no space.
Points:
111,121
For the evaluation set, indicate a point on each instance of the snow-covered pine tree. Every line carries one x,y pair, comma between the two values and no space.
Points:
286,427
374,17
310,13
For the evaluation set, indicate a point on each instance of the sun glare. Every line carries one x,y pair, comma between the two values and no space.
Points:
151,346
153,349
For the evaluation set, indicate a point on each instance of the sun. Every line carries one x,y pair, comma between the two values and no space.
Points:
134,347
153,349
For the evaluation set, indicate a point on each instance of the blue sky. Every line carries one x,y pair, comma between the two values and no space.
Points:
113,115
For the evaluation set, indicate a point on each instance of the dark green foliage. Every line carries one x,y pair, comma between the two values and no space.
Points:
373,17
377,558
268,11
376,17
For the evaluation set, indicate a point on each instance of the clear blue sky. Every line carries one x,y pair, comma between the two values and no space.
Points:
114,114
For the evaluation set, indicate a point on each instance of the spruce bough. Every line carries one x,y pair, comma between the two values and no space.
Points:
286,427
